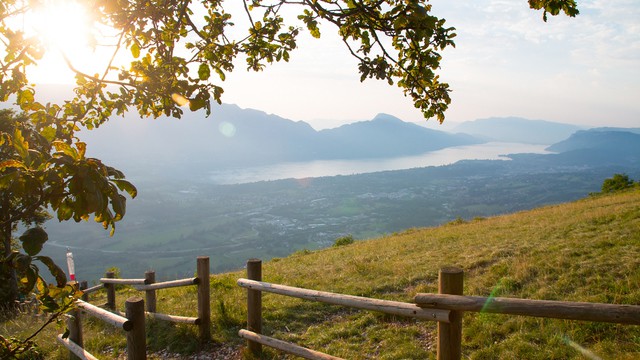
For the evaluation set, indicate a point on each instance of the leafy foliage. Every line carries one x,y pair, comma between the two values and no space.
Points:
616,183
344,240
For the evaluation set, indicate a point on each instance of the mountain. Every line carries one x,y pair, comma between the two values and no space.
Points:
589,148
607,141
234,138
514,129
386,136
631,130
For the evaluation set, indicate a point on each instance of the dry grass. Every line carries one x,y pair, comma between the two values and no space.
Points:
583,251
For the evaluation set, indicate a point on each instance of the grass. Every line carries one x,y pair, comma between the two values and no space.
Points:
588,250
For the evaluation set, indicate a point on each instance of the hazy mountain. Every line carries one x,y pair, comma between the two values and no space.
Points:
590,148
386,136
514,129
631,130
606,141
233,137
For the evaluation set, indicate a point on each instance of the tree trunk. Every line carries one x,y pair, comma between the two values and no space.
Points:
8,278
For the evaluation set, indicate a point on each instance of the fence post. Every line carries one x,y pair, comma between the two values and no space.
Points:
204,302
136,337
83,286
254,304
150,295
111,291
74,324
450,281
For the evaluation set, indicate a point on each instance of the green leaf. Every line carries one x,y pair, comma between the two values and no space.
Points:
124,185
25,97
119,205
204,72
30,278
197,104
11,164
65,148
33,239
20,144
135,50
21,262
55,270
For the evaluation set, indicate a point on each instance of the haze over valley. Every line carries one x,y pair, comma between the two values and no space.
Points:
189,203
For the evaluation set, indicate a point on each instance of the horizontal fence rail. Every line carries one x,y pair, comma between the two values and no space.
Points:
167,284
93,289
133,320
76,349
104,315
612,313
385,306
286,346
123,281
174,318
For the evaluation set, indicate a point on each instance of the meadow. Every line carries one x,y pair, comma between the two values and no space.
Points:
587,250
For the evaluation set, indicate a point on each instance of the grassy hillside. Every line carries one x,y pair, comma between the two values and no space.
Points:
588,250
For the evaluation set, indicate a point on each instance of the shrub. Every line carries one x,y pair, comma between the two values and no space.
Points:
344,240
616,183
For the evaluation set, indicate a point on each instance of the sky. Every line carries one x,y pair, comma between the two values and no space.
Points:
507,62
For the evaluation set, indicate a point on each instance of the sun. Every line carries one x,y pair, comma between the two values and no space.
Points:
67,30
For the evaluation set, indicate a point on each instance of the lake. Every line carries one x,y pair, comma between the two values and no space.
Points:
319,168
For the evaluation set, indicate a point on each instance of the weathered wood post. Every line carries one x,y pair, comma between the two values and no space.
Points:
83,286
150,295
450,281
111,292
136,337
74,324
204,302
254,305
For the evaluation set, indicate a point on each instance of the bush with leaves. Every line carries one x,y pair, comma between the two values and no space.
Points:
616,183
344,240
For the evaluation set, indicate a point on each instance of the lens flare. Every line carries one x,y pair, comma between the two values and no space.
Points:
227,129
179,99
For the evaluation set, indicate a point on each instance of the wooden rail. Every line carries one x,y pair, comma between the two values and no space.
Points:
93,289
358,302
107,280
134,317
167,284
174,318
133,324
149,286
446,308
285,346
620,314
76,349
106,316
255,286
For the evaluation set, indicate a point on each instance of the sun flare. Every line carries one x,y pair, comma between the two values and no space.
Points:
66,29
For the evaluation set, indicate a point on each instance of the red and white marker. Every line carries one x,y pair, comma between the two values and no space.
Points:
71,266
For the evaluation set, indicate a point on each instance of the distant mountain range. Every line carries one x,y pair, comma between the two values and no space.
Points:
518,130
233,137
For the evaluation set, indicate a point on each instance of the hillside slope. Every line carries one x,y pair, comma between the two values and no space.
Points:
587,250
583,251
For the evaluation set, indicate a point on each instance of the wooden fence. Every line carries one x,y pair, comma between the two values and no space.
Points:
446,307
134,320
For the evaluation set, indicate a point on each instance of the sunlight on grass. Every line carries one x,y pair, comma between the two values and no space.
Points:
583,251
